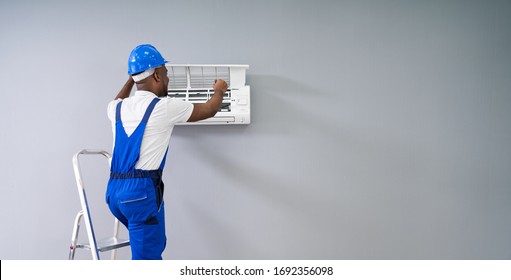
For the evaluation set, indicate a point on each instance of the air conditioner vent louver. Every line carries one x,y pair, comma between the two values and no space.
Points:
177,77
193,83
204,77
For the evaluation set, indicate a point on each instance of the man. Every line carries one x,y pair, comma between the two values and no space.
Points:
142,125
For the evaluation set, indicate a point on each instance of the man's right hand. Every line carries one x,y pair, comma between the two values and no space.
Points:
220,85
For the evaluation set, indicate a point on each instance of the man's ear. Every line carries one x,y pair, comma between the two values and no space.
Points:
156,76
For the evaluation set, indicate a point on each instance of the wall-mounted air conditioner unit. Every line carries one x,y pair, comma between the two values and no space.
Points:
193,83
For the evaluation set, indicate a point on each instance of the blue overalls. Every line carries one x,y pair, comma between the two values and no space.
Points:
135,196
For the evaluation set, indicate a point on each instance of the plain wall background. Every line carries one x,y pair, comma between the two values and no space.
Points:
380,129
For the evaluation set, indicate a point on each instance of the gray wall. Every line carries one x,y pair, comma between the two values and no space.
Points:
381,129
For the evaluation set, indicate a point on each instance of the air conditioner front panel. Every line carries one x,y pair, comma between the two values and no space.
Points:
193,83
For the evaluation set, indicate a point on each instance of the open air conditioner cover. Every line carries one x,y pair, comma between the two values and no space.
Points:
193,83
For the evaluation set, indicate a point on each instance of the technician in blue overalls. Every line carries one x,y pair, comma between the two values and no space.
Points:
142,125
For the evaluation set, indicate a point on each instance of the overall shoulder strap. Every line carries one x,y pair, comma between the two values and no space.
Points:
150,109
162,164
118,112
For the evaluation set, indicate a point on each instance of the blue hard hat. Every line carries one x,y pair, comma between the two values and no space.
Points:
144,57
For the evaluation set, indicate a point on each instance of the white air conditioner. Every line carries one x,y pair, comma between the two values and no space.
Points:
193,83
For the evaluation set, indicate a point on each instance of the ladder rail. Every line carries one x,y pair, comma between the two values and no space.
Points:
113,254
74,237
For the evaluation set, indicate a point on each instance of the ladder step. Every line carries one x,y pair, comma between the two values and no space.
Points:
106,244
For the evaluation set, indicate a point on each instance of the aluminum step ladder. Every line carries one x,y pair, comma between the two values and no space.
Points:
95,246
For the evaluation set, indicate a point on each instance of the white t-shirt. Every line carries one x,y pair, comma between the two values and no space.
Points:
166,113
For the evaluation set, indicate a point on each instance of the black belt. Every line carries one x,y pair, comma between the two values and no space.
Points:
136,174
